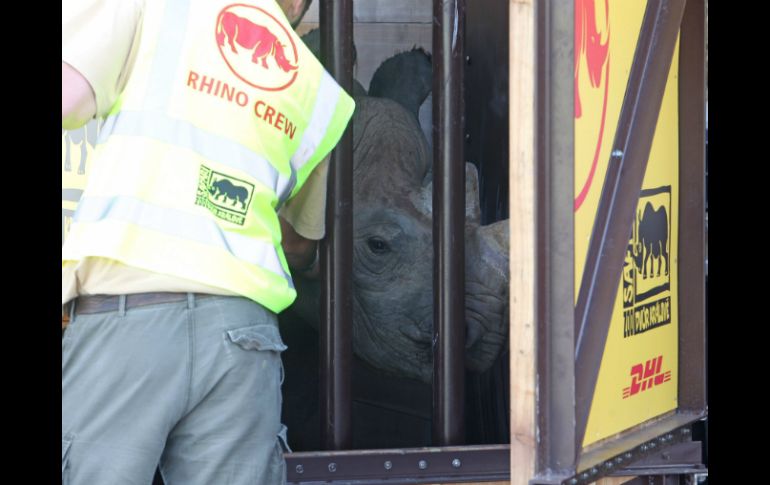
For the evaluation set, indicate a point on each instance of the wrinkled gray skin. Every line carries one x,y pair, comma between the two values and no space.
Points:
393,252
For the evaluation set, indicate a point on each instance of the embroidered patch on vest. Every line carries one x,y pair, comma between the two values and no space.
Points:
226,197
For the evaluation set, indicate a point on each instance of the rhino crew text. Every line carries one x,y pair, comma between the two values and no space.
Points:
232,94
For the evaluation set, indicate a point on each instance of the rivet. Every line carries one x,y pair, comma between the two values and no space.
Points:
422,464
388,465
456,463
332,467
299,469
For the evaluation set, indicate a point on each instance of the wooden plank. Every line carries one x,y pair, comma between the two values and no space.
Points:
376,42
402,11
523,232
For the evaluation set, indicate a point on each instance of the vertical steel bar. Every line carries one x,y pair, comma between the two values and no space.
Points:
620,196
692,302
448,224
336,19
555,259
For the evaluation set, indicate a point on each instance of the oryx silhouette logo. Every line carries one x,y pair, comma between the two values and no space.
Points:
256,47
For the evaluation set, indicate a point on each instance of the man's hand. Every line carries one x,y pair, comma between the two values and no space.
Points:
300,252
78,103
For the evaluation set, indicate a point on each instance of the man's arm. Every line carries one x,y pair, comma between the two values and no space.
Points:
303,223
301,253
78,102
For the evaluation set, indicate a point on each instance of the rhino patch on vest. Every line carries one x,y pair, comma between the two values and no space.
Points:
226,197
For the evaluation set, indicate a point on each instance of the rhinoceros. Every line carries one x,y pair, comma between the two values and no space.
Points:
392,231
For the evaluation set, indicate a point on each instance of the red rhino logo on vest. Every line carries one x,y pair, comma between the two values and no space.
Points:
256,47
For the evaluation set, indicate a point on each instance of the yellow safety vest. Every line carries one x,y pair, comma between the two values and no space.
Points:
224,116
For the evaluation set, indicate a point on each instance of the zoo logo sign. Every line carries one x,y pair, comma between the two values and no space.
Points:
226,197
646,271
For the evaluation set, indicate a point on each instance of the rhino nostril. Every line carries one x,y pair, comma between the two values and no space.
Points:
413,333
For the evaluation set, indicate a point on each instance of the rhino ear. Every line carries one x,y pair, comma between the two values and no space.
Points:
472,205
405,78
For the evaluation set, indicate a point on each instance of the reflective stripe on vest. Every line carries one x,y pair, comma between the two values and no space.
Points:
183,225
161,127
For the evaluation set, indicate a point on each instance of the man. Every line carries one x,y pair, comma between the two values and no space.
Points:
177,261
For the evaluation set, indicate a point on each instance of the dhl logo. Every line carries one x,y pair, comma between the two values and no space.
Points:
646,376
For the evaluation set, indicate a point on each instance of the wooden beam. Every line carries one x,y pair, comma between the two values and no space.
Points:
522,247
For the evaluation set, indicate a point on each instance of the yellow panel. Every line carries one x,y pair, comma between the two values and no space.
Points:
638,376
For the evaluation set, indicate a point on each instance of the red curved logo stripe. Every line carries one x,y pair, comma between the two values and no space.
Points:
588,46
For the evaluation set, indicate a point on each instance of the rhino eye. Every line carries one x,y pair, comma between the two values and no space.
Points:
377,245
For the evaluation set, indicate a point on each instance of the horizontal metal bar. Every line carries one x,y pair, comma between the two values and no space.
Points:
632,439
648,440
681,458
410,465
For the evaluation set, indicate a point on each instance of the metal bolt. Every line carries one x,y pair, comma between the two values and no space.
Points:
685,431
456,463
467,137
627,456
300,469
617,153
388,465
422,464
332,467
619,460
468,60
644,447
594,471
669,437
584,476
652,444
608,464
573,481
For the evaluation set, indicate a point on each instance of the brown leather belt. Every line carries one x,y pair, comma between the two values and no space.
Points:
111,303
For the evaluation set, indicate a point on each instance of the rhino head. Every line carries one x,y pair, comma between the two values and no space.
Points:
393,249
